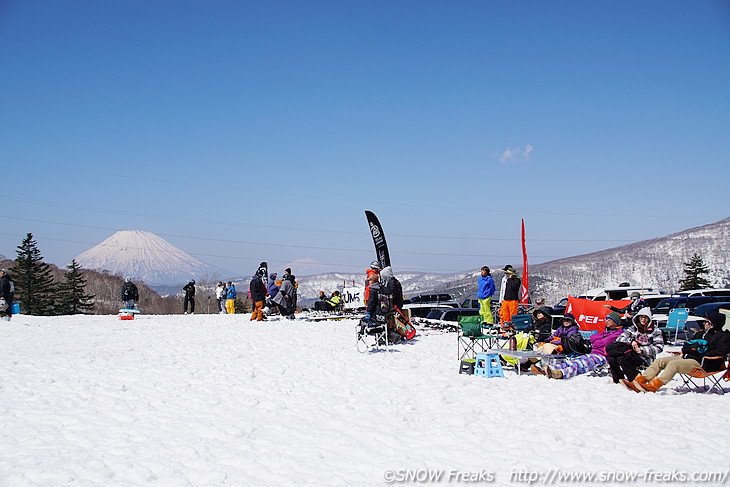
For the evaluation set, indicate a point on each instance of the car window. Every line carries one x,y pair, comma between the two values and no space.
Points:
616,295
434,315
665,305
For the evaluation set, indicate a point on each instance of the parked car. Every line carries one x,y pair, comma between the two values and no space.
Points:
451,314
661,312
696,314
559,308
702,310
618,292
430,298
470,301
421,310
653,301
705,292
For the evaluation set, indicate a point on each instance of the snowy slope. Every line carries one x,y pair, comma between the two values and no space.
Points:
217,400
144,256
656,263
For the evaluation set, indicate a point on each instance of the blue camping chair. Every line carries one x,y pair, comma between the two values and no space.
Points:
676,321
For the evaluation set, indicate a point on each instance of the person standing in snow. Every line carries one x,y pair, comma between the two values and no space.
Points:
130,294
258,295
485,291
511,295
231,298
220,296
7,289
273,286
189,289
285,298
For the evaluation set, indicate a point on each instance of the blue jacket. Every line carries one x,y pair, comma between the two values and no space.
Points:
486,287
231,292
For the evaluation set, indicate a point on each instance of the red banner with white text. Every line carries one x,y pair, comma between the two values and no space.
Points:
591,315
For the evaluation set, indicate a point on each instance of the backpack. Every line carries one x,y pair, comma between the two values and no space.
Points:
576,344
696,346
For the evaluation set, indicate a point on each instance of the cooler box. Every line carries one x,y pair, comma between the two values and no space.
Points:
126,316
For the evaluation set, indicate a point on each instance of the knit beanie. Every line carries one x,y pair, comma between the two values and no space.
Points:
615,317
716,318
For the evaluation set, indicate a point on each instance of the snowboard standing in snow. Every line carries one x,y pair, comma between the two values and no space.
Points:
381,246
391,293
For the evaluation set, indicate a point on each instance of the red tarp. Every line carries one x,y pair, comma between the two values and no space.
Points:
591,315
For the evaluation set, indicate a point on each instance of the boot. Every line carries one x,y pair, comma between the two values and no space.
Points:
640,379
536,370
629,385
549,373
555,374
651,386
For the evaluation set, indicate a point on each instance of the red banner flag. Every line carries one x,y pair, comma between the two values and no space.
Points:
525,288
591,315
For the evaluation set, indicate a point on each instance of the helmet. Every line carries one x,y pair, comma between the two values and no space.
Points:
375,265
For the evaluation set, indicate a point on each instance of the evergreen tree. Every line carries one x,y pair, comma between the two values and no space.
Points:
693,270
34,284
72,298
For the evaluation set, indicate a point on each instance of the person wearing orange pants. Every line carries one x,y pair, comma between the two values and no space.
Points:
258,295
511,295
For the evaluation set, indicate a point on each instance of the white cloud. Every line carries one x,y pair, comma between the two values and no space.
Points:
515,154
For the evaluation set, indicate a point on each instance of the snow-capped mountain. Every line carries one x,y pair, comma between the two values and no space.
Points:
144,256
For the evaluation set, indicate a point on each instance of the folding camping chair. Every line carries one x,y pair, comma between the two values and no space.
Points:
676,320
471,335
371,336
713,378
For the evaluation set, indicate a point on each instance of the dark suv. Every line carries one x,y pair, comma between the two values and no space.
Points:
452,314
429,298
691,302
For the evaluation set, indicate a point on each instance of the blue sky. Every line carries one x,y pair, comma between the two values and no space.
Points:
247,131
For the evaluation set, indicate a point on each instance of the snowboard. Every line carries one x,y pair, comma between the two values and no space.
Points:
402,325
263,271
381,246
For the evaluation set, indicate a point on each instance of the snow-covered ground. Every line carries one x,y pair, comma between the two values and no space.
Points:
209,400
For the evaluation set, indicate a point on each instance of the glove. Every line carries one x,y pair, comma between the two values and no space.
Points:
367,317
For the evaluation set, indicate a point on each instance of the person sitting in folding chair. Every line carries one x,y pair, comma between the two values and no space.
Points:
374,322
707,349
636,347
597,357
563,339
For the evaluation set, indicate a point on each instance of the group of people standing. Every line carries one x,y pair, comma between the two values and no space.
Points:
509,294
225,296
279,295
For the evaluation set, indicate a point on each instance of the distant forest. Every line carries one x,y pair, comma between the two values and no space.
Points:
106,289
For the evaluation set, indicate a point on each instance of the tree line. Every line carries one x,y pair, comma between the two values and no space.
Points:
43,289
